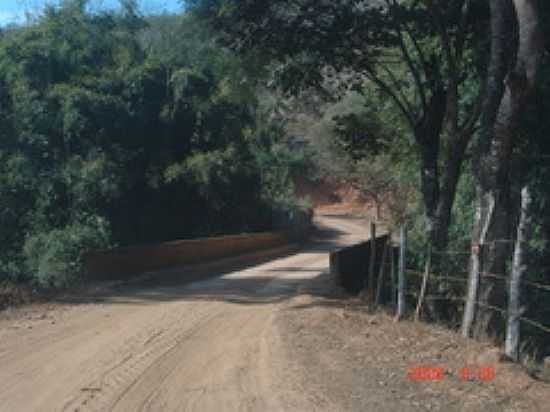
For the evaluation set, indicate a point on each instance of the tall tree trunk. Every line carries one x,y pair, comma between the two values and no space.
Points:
451,175
507,92
439,189
518,271
428,137
459,135
480,234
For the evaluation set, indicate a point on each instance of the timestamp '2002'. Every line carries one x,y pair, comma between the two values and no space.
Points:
435,374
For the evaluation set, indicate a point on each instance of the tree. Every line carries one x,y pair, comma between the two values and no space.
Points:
374,179
419,54
511,79
109,138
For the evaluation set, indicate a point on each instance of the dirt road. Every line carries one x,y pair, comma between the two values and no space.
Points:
207,345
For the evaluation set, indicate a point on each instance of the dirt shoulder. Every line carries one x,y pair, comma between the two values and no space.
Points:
362,361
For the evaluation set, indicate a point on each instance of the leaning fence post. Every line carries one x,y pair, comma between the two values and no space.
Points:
401,284
371,287
424,284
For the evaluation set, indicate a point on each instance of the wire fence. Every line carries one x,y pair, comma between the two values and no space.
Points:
444,279
452,285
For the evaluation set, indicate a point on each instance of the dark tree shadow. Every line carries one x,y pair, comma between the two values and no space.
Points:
225,281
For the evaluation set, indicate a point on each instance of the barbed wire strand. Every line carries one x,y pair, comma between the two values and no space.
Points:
537,285
433,297
452,252
492,307
535,324
435,278
531,322
493,276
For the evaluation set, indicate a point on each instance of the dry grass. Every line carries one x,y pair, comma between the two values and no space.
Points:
368,358
12,295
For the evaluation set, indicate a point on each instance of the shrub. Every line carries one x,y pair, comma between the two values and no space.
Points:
54,258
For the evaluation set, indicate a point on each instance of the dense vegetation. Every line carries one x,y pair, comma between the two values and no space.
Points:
448,126
118,129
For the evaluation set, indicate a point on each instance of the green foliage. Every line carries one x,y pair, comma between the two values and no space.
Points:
55,258
277,162
116,129
463,212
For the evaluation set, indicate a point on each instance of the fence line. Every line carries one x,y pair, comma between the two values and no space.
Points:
532,284
451,252
432,297
537,285
535,324
487,242
492,276
452,278
524,319
492,307
512,241
428,278
434,278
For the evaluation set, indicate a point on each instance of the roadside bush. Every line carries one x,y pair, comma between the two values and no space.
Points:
294,218
12,268
54,258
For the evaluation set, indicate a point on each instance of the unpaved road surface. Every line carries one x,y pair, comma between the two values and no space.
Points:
278,336
212,344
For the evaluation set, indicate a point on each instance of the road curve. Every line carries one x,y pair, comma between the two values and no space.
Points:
208,345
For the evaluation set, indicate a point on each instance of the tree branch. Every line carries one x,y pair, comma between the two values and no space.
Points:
403,107
407,57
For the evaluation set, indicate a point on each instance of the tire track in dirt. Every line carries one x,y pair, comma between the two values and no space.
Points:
207,345
138,353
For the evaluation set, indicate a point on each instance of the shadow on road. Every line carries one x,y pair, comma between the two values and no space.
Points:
261,281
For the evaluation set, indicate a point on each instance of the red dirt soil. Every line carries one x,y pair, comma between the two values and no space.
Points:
332,197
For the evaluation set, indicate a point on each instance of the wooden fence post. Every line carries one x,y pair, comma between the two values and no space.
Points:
475,268
518,271
401,284
424,284
381,273
371,286
393,275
